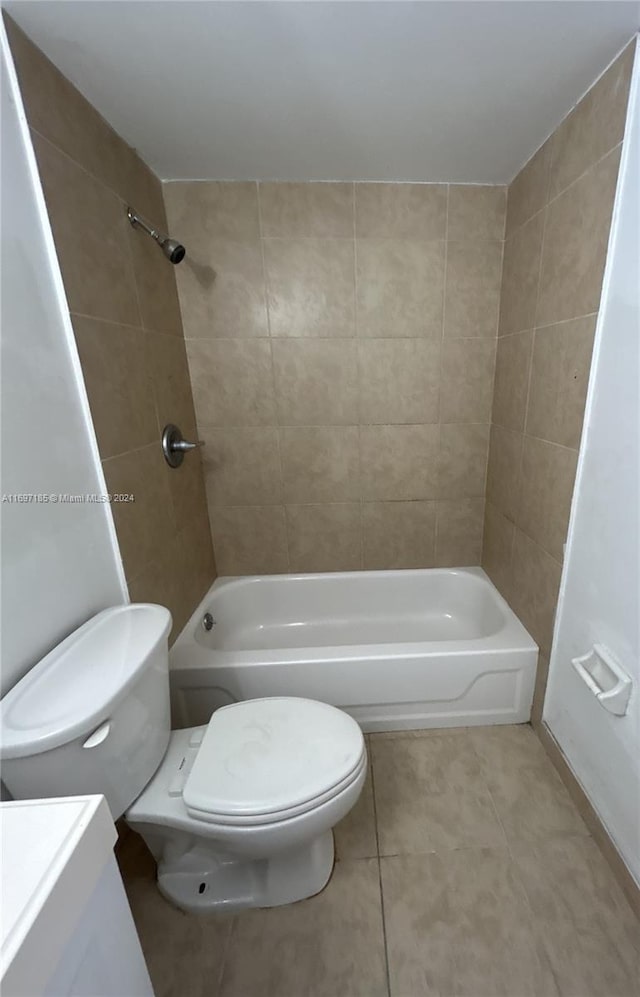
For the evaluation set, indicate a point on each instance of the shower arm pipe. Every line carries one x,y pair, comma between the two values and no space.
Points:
135,219
172,249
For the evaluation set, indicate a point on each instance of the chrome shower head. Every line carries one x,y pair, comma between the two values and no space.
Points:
172,249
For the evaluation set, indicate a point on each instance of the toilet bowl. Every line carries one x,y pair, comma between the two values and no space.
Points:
238,813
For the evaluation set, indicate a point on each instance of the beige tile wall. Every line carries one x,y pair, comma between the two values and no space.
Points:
558,220
126,317
341,341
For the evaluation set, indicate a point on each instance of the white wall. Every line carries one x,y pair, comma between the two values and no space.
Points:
600,595
60,563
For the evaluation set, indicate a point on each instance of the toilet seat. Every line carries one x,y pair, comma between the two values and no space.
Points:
259,820
265,760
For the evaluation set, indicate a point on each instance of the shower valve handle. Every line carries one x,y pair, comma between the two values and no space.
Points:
174,446
184,445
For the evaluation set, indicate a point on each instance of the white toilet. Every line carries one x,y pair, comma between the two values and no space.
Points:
237,813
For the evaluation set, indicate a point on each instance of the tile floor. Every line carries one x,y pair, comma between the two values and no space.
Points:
464,869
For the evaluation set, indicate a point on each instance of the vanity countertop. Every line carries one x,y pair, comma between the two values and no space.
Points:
52,854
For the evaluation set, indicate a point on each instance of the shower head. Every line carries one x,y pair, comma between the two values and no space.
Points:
172,249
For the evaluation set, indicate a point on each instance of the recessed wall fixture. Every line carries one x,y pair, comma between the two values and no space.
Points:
172,249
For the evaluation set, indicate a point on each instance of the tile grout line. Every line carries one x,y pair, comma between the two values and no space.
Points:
547,325
282,503
491,797
384,922
124,453
356,339
92,176
135,328
521,432
516,872
551,200
539,936
136,289
493,382
225,953
441,368
530,436
536,543
332,339
352,425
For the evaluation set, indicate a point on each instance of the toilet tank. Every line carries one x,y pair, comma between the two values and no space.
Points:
93,715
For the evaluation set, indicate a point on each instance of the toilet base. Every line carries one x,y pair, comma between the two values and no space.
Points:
203,881
205,866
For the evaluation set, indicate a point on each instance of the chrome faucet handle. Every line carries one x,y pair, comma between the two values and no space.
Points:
174,446
184,445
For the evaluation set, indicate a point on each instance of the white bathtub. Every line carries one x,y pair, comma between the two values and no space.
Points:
395,649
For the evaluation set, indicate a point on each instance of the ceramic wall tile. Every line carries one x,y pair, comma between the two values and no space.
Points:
399,462
399,287
250,540
398,535
399,381
320,210
459,532
325,537
338,341
316,381
320,464
310,287
575,245
595,125
468,367
513,360
232,382
560,369
401,210
126,318
497,548
242,465
546,487
476,212
528,193
118,382
520,273
533,589
503,470
463,460
472,296
94,259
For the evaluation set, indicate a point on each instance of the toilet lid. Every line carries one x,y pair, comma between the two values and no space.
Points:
265,756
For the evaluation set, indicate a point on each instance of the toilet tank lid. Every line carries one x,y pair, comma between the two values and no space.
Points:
76,685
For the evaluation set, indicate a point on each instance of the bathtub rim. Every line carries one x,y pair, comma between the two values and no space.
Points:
188,653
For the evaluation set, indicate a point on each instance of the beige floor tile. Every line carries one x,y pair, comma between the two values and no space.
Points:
470,917
529,796
590,933
355,835
506,745
430,796
184,952
328,946
459,924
